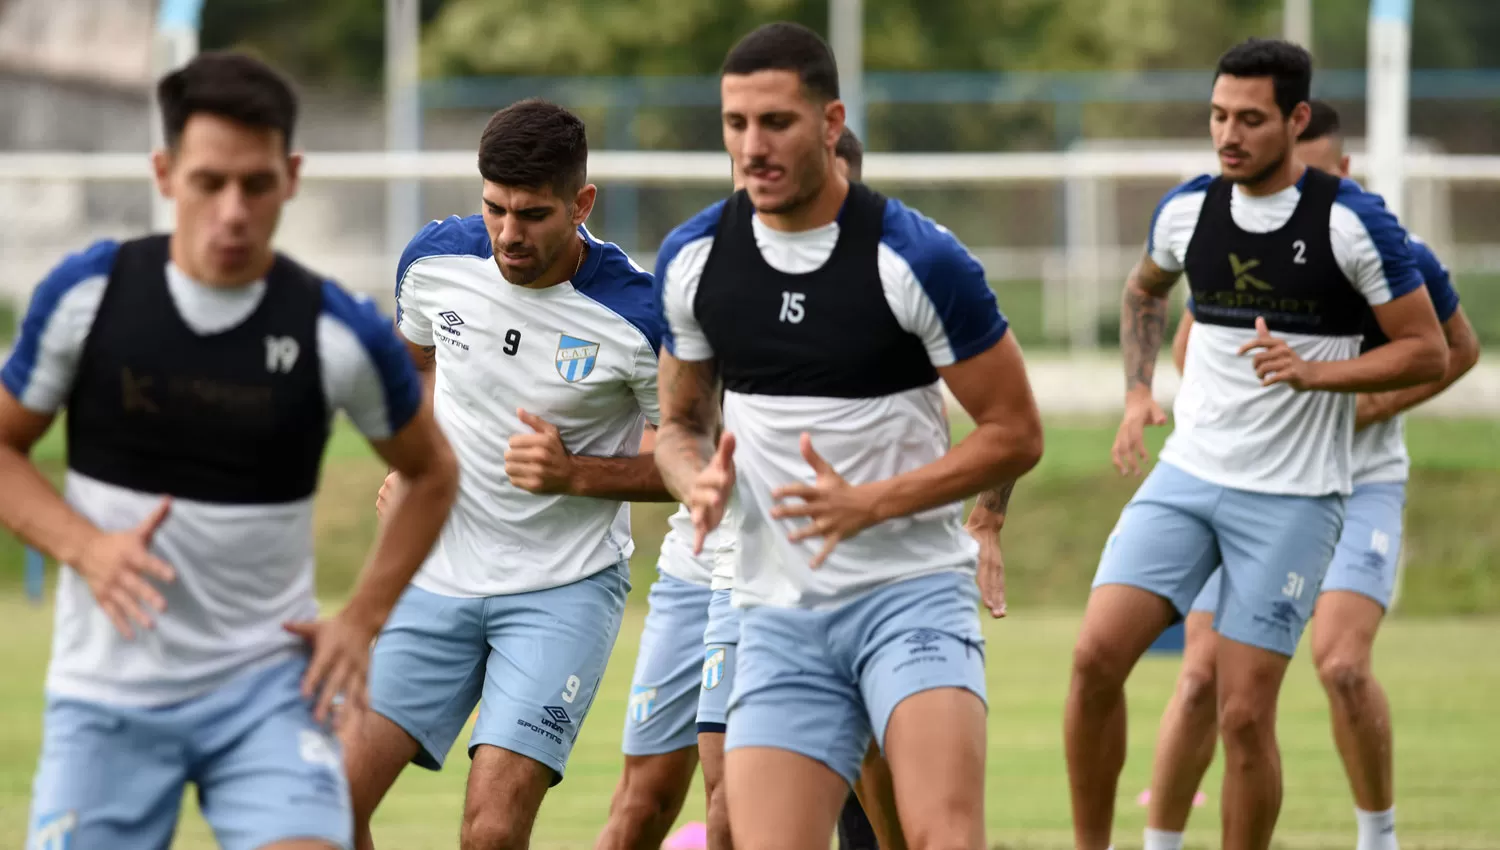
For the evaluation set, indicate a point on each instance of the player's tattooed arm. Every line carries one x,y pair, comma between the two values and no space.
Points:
689,397
994,502
1143,321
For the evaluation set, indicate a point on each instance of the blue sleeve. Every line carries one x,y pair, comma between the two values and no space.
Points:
1437,280
20,369
705,223
1197,184
387,354
628,291
452,236
1396,268
950,277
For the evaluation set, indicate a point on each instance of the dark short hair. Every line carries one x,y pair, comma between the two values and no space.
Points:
1324,122
533,143
784,46
1288,65
230,85
851,151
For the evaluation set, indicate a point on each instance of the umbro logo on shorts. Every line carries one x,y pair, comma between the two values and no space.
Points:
557,713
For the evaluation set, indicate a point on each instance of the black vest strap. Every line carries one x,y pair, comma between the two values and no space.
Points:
1289,276
237,417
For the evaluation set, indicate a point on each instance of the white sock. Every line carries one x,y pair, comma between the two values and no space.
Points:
1161,839
1377,830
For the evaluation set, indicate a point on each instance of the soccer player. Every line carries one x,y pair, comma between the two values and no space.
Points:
830,312
1256,473
539,343
670,717
1356,589
200,372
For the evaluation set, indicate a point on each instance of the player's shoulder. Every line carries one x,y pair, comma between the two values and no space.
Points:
1366,206
619,284
704,225
355,313
926,246
1185,195
449,237
95,261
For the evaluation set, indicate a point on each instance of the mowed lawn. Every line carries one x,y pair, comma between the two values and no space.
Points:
1442,677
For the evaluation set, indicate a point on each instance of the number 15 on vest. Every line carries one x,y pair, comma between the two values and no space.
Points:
791,307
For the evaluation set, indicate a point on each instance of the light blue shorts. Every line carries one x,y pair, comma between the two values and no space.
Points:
820,682
1178,528
265,771
664,690
720,646
1364,561
536,659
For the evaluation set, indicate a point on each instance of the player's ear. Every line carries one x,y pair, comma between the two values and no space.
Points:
1301,115
583,203
161,169
834,116
293,174
1344,165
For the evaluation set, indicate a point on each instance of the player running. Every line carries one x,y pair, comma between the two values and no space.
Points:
680,687
830,312
200,372
539,343
1355,592
1257,471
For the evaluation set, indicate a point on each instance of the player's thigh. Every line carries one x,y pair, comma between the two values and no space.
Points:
1369,548
935,744
663,708
504,794
791,692
105,779
1163,542
797,810
1276,550
548,652
376,750
1343,630
427,671
268,772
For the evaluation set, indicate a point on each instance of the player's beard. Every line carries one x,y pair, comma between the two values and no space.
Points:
1261,175
531,274
812,172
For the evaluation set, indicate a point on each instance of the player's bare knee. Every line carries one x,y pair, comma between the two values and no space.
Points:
1097,666
488,828
947,833
1197,692
1345,675
1247,723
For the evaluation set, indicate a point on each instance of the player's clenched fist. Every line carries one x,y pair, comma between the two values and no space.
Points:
539,462
391,490
711,490
115,567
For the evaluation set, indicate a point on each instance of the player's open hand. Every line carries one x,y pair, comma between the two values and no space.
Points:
837,509
391,491
709,497
991,573
1276,362
538,462
1129,450
339,666
115,567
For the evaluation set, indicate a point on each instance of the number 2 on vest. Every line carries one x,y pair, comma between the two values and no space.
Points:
791,307
1300,258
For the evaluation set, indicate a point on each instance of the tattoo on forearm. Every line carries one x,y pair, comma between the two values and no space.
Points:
428,359
997,501
690,414
1143,323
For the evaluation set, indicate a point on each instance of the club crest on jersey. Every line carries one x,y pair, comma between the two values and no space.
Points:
713,667
576,358
642,703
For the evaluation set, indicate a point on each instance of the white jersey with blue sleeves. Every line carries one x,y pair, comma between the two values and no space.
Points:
242,570
1380,450
580,355
937,292
1230,430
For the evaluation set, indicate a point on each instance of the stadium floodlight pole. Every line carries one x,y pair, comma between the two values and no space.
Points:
173,45
1389,81
403,120
1297,22
846,35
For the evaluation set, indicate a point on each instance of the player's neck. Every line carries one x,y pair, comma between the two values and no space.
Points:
565,269
1277,181
821,210
202,276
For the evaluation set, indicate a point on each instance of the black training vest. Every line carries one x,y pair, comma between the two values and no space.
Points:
1289,276
237,417
828,333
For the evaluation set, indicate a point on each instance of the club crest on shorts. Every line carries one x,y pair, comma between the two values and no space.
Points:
713,667
576,358
642,703
55,831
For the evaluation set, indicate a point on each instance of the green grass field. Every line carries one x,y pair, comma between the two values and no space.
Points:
1442,682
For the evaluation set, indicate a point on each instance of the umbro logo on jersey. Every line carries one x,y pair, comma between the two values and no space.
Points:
576,358
451,321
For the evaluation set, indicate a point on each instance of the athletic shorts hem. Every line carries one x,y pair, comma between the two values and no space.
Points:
706,727
823,757
342,842
886,726
685,740
515,745
427,751
1257,641
1154,591
1357,591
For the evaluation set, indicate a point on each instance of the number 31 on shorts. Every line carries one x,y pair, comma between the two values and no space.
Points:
1295,584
